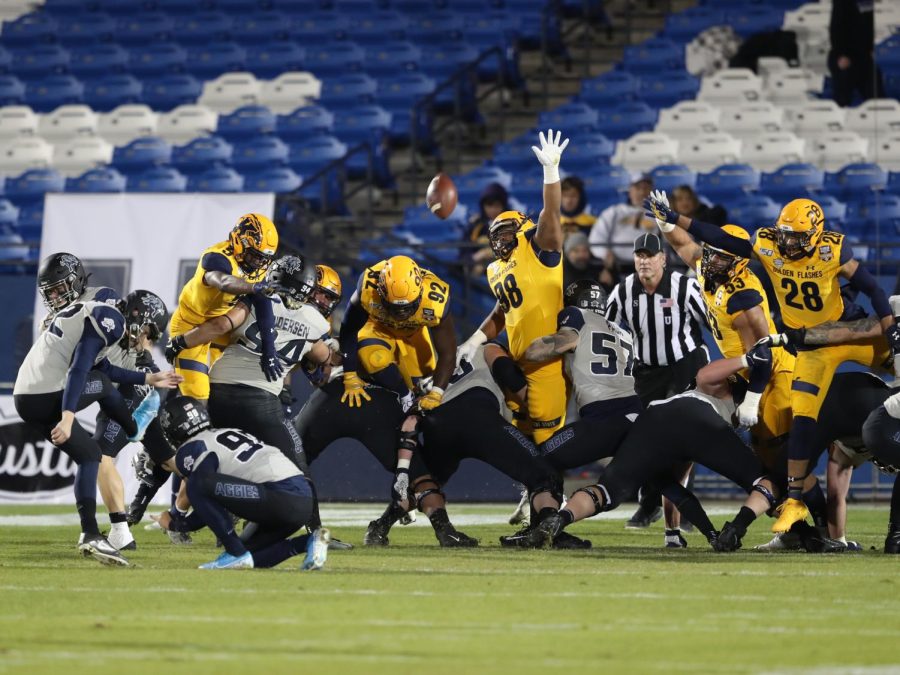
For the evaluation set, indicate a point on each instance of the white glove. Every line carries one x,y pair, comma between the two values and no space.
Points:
468,348
748,410
661,196
549,153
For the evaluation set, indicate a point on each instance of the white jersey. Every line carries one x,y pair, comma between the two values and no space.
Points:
724,407
239,455
296,330
600,366
91,294
46,367
474,374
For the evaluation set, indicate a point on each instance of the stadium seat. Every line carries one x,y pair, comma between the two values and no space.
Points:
855,181
170,91
684,25
668,91
606,180
272,179
50,92
570,118
365,124
12,90
792,86
33,184
348,90
13,248
141,154
100,179
832,150
748,120
528,188
515,155
653,57
123,7
68,121
436,26
391,58
187,122
324,26
210,60
250,120
144,28
97,61
835,211
731,86
587,151
704,152
470,186
751,19
312,153
625,119
31,220
815,117
445,58
808,21
274,58
17,120
30,29
728,181
753,211
24,152
216,179
670,176
77,155
204,27
885,151
157,59
792,181
266,26
42,60
202,153
251,154
372,28
289,91
876,117
768,151
304,122
5,59
230,91
158,179
9,213
127,122
87,28
106,93
327,59
645,150
610,88
688,118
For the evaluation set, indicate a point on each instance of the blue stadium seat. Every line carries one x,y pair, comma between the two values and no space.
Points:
100,179
887,53
397,95
204,27
31,221
13,248
391,58
570,118
202,153
438,26
684,26
238,7
66,9
670,176
728,181
157,59
626,119
33,184
88,28
652,56
124,7
209,60
144,28
246,121
304,122
792,181
605,182
98,60
749,20
487,29
319,26
9,214
170,91
414,6
273,179
142,154
266,26
12,90
516,155
422,212
588,151
327,59
30,29
835,211
5,60
30,63
666,91
312,153
181,6
216,179
611,88
351,89
379,26
445,58
272,59
528,188
477,179
883,210
365,124
854,181
158,179
257,152
753,211
48,93
106,93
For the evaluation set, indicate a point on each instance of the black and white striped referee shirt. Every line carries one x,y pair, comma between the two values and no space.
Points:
666,324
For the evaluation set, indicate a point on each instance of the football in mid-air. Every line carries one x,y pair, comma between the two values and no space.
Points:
441,196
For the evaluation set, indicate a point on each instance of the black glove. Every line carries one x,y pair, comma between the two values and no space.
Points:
893,337
760,354
729,538
175,346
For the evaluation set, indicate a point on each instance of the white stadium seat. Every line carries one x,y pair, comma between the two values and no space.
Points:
23,153
688,118
792,85
187,122
767,152
831,150
885,151
875,117
289,91
75,156
808,21
751,119
731,86
68,121
704,152
645,150
230,91
814,117
122,125
17,120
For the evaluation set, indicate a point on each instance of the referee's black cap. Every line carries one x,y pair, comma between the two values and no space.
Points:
648,242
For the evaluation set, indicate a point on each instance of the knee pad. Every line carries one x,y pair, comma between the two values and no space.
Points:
552,485
764,491
591,491
421,495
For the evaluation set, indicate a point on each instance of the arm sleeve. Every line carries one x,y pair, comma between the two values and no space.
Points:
570,317
215,262
354,319
862,280
265,319
121,375
82,362
188,454
546,258
760,373
716,236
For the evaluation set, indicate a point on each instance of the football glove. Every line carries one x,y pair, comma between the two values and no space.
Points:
271,366
354,390
759,354
467,349
549,154
431,400
143,467
175,346
267,288
893,337
400,491
729,539
656,206
790,337
748,410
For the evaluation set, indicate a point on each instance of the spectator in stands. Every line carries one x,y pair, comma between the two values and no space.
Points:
612,236
577,261
576,213
494,201
851,59
685,198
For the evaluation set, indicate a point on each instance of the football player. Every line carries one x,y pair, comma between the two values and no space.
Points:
65,371
527,280
879,434
804,262
396,313
228,471
226,271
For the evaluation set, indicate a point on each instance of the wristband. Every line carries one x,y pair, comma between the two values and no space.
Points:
551,174
403,463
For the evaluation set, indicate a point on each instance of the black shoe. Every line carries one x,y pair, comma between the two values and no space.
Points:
449,537
564,540
814,541
892,542
545,531
643,517
96,546
377,533
517,540
338,545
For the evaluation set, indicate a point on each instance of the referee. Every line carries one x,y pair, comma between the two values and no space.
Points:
664,311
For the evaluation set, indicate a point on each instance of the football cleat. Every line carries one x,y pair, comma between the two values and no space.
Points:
789,512
786,541
144,414
544,532
180,538
566,541
516,540
892,541
449,537
814,541
377,533
674,539
226,561
121,539
643,518
97,546
522,514
853,546
316,550
338,545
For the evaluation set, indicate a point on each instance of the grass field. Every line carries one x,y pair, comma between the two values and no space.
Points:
627,606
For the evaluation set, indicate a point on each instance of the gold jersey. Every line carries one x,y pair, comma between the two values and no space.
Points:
432,308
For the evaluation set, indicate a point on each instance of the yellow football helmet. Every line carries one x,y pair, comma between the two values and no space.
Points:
719,267
253,242
800,225
503,230
328,291
400,286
